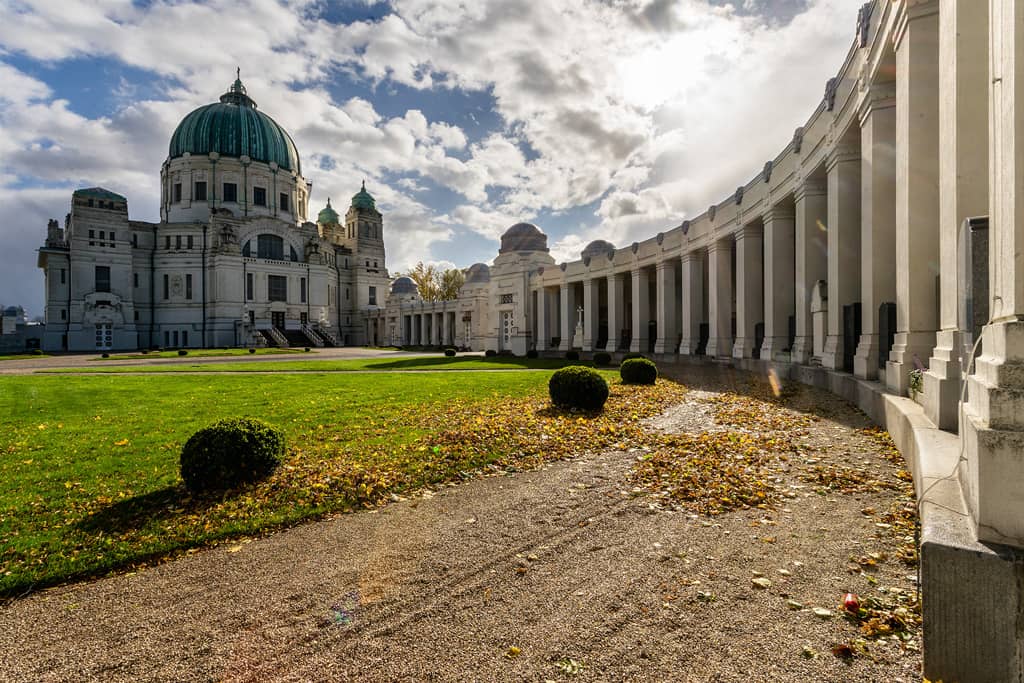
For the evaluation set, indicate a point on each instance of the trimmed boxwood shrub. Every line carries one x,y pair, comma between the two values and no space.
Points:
602,358
252,350
449,352
578,387
572,355
490,352
182,352
229,453
305,349
638,371
104,355
532,353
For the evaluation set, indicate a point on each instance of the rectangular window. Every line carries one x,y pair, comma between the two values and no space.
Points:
167,338
284,202
373,296
102,278
135,279
188,286
167,241
200,193
177,242
135,240
112,238
175,338
103,235
167,286
177,192
302,290
184,337
259,196
248,286
230,192
92,234
63,276
277,288
190,243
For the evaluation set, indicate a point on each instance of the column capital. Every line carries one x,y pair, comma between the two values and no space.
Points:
779,212
689,256
810,188
662,266
841,154
907,11
719,245
877,97
749,230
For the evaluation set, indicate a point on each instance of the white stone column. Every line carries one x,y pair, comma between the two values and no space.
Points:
668,331
993,425
541,333
811,260
439,332
720,298
591,315
749,287
963,178
641,311
567,312
692,313
779,275
616,310
844,254
878,221
917,192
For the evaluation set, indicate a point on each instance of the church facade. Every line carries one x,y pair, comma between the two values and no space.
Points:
235,259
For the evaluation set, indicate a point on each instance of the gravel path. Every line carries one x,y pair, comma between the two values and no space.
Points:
562,574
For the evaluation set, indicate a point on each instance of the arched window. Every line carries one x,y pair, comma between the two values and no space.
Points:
270,246
246,250
292,254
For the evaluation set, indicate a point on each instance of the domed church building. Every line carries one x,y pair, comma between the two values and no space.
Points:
236,259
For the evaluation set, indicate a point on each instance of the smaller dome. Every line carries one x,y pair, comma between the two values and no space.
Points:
478,273
364,200
327,214
523,237
597,248
404,285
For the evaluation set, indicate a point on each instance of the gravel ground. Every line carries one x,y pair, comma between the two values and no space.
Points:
564,574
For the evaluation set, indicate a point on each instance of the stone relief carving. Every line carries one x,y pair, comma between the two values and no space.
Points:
831,86
634,247
660,237
798,139
864,22
711,212
686,227
766,173
738,196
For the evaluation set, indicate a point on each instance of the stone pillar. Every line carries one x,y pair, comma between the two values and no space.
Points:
641,311
439,332
616,310
780,271
749,288
541,333
878,221
811,260
844,255
963,178
720,298
567,310
917,192
692,265
668,331
424,329
591,314
993,424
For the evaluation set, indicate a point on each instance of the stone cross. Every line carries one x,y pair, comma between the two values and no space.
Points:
579,312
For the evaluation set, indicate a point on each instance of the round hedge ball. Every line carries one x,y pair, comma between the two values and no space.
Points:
578,387
638,371
602,358
229,453
450,353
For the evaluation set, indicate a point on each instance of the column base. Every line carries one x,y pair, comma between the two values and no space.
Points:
775,348
664,346
688,347
719,347
865,362
832,353
907,347
942,385
743,347
992,477
639,345
803,348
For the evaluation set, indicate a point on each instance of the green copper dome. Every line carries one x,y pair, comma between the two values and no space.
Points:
327,214
233,128
364,200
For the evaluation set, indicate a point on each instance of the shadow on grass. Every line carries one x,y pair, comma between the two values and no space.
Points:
139,511
508,361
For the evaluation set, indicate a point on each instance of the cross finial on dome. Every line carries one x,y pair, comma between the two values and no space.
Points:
328,202
238,73
364,186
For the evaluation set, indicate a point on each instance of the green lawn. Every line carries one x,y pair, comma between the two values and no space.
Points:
201,353
23,356
386,364
89,464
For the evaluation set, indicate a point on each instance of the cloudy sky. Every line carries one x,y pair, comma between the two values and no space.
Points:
609,119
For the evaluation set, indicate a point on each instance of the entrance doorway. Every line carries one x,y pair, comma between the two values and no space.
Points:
506,330
104,336
277,319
